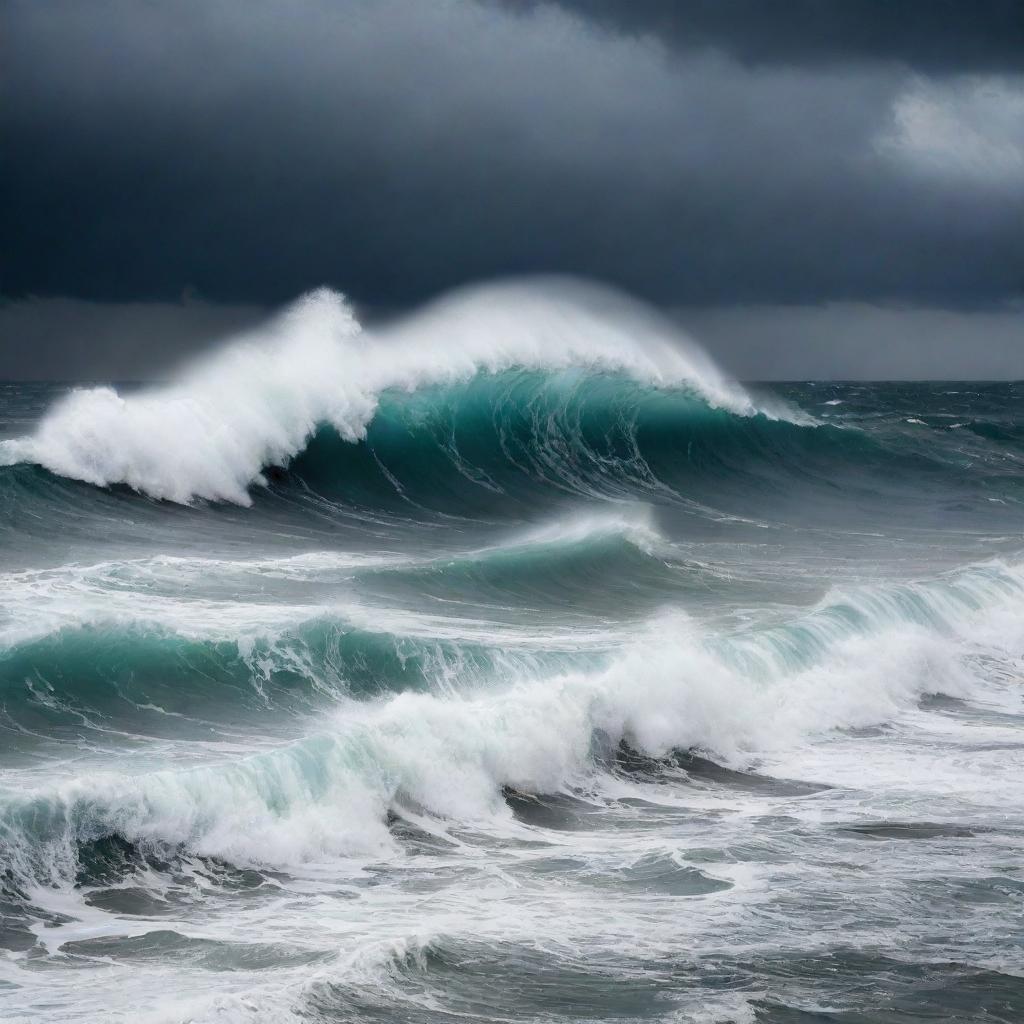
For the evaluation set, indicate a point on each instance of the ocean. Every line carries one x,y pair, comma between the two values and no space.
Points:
509,662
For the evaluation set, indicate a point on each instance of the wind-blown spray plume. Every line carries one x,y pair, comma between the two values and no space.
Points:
256,402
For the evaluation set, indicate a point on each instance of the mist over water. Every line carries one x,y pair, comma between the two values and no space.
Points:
509,662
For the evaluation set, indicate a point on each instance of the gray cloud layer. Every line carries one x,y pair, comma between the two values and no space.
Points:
74,340
929,35
393,149
857,341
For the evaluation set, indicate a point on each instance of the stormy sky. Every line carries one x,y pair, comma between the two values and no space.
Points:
814,187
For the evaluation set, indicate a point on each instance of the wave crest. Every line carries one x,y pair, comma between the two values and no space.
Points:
256,403
857,660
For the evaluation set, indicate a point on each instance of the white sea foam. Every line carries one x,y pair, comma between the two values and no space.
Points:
859,659
209,434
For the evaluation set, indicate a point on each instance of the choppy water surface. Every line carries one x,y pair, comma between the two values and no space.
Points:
510,663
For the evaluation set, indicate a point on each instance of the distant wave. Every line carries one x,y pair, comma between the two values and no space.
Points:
111,639
256,403
147,592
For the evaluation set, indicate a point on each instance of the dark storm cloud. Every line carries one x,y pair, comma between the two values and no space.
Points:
393,149
930,35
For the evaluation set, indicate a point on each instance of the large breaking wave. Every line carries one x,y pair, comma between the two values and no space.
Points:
496,402
257,402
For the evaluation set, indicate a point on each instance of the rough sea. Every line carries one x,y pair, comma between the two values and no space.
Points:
509,663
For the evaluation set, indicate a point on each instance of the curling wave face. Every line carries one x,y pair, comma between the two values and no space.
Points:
259,400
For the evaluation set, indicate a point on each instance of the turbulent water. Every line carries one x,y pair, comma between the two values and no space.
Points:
509,663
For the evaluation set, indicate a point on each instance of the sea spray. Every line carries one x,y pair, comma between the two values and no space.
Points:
257,401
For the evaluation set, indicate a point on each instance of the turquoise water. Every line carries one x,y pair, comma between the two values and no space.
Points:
577,691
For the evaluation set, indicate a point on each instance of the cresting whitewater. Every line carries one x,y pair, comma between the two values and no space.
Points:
509,662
